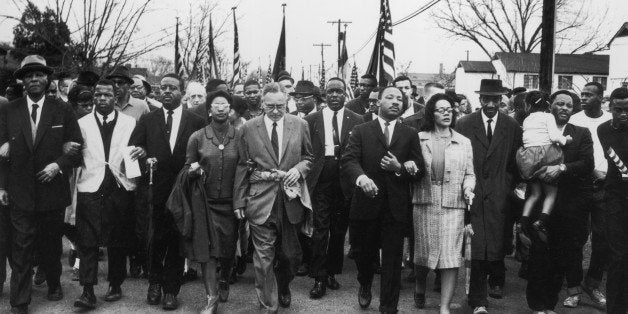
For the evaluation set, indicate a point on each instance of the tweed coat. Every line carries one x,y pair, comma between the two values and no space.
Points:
496,174
458,176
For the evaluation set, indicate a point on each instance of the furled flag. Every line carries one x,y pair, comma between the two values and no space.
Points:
344,57
211,51
354,77
383,57
236,53
178,61
269,75
322,81
280,57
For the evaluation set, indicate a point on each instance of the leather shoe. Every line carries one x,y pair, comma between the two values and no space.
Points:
318,291
113,294
364,296
55,294
40,277
495,292
170,302
154,294
23,309
285,298
303,270
332,283
86,301
223,290
419,300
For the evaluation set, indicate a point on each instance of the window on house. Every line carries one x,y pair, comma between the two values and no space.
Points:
601,80
565,81
531,81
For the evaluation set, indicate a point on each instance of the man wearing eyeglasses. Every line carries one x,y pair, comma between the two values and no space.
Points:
124,102
361,104
275,159
305,97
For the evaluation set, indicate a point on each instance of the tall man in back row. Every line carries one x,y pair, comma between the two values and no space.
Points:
380,206
360,104
35,178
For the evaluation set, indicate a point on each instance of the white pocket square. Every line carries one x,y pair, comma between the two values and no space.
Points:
57,126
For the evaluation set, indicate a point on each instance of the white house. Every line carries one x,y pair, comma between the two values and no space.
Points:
618,64
468,77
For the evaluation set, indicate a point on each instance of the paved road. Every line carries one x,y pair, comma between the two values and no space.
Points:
243,298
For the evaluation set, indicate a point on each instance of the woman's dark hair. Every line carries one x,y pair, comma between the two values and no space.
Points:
452,95
538,101
79,93
239,105
429,112
213,95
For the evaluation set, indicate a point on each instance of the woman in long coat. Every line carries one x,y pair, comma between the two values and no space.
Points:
440,199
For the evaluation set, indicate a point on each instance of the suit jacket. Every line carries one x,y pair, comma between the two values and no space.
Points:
579,163
92,172
367,117
317,136
496,173
458,174
416,120
358,105
366,148
258,198
150,134
57,125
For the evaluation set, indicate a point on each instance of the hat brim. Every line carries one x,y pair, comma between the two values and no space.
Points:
128,79
300,93
19,73
147,87
495,93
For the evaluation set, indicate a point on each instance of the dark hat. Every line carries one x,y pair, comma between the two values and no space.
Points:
32,63
492,88
87,78
518,90
284,75
304,88
144,82
123,72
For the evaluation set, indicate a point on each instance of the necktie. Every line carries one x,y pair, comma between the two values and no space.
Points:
34,113
489,130
334,124
104,120
387,133
169,123
274,139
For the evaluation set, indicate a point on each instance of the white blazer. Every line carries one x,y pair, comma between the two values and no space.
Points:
92,172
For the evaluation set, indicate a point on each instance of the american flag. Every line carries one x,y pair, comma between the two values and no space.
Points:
178,61
269,75
387,48
322,81
236,53
354,77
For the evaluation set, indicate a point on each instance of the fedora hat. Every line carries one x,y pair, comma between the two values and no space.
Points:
122,72
32,63
144,82
304,88
87,78
492,88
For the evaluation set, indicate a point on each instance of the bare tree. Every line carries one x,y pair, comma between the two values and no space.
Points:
515,25
159,66
403,68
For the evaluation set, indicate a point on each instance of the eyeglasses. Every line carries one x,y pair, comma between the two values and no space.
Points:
252,92
277,107
444,110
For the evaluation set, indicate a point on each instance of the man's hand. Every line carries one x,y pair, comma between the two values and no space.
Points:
49,173
137,152
368,187
4,197
468,230
468,196
291,178
551,173
239,212
390,163
195,170
71,147
4,150
411,167
540,172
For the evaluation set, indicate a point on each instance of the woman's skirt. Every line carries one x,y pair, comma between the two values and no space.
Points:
222,231
438,234
532,158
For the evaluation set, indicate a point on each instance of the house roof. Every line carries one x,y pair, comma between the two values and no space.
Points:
421,78
564,63
477,66
622,32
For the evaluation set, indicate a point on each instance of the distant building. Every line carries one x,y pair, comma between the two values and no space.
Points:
468,77
618,51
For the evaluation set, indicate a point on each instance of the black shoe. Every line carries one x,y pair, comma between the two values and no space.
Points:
170,302
223,291
40,277
419,300
190,275
72,258
23,309
55,294
332,283
86,301
135,270
303,270
154,294
113,294
319,290
240,265
495,292
364,296
285,297
411,276
234,277
540,229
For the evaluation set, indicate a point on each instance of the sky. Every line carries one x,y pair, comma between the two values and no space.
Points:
418,40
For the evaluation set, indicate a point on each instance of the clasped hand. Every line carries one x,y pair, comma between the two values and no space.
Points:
49,173
390,163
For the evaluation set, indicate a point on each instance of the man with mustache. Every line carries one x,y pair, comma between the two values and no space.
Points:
124,102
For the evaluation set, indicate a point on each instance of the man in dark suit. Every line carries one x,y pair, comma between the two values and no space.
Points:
360,105
495,138
35,176
560,258
163,135
380,206
405,85
329,131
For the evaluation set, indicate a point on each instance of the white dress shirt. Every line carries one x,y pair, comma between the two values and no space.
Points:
176,121
110,117
485,121
328,115
391,128
269,129
39,103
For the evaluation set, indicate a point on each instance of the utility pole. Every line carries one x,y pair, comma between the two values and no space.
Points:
322,45
546,72
339,22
